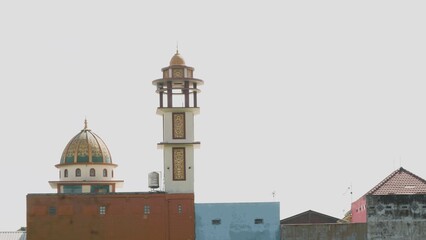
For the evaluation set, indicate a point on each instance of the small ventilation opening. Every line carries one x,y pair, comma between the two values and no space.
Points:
216,222
258,221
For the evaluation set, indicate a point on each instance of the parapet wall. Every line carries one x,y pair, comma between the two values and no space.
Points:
353,231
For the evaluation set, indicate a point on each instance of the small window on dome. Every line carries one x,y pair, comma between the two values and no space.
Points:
92,172
78,172
66,173
105,173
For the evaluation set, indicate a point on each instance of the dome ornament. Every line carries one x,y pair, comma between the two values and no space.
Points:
177,59
85,123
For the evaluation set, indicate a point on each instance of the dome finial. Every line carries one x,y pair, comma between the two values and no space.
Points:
177,47
85,123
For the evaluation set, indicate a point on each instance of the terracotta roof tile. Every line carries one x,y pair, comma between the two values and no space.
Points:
400,182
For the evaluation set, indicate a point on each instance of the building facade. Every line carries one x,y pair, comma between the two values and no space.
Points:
237,221
397,217
110,216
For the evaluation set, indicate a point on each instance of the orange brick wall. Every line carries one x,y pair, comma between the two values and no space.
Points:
77,216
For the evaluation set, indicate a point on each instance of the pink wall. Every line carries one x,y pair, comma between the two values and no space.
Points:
359,210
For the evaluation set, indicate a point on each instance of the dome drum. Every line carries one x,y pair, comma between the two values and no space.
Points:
86,172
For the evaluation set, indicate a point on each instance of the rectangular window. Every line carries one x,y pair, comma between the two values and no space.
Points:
73,189
179,173
52,211
179,125
216,222
258,221
99,188
102,210
146,209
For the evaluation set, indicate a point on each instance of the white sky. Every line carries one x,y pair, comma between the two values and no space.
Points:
303,98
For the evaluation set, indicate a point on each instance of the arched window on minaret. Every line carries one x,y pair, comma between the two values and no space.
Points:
66,173
78,172
105,173
92,172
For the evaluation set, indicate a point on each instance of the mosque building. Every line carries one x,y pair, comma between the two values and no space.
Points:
87,205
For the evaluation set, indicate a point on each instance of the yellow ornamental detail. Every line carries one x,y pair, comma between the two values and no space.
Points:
179,164
179,125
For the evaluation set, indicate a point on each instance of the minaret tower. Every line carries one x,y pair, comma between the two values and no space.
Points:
177,92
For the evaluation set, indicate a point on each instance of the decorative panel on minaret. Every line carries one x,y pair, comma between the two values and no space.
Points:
179,125
178,73
179,164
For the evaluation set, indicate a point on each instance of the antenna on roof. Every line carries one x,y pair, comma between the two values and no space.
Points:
349,189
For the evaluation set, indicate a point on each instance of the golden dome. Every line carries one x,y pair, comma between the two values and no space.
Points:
177,60
86,147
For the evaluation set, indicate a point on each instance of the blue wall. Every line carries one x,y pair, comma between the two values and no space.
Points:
237,221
